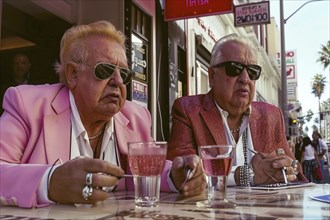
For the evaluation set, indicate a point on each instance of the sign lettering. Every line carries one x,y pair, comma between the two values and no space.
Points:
250,14
181,9
139,58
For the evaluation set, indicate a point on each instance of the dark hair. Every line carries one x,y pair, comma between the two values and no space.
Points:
317,133
307,141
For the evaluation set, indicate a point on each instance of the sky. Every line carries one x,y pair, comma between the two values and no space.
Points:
305,32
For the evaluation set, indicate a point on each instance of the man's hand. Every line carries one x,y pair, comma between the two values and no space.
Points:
267,168
68,180
196,183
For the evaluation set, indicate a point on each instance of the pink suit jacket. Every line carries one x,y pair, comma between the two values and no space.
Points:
197,121
39,134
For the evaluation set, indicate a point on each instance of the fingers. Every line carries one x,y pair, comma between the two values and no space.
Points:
191,161
102,180
97,195
178,163
282,161
187,174
91,165
186,162
73,176
274,167
194,186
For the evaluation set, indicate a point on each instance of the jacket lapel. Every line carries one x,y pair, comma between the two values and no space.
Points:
256,129
57,128
213,119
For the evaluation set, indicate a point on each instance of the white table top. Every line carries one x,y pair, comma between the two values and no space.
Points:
293,203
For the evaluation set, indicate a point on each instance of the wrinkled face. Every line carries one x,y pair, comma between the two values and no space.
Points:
99,100
21,66
233,94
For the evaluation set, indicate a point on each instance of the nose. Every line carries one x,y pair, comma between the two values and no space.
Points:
116,78
244,76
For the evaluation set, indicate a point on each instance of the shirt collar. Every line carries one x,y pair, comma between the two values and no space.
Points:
225,113
77,125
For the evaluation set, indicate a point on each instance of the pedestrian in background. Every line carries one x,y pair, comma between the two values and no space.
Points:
321,149
20,74
309,159
298,146
21,70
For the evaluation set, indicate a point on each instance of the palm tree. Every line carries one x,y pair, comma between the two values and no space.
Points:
324,58
318,84
309,115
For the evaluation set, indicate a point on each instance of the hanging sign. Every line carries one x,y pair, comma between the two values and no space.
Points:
181,9
253,13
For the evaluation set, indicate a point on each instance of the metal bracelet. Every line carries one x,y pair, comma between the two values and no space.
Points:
246,175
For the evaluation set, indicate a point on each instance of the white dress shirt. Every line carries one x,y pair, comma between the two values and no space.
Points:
80,146
239,155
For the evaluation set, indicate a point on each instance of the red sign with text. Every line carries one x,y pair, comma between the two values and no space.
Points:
180,9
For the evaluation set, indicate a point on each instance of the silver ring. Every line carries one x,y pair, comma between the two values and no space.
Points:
87,191
294,164
280,152
89,179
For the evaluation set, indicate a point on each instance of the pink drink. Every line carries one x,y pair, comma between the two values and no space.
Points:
217,166
147,165
147,161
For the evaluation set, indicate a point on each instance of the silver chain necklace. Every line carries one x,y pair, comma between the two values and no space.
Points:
93,137
237,129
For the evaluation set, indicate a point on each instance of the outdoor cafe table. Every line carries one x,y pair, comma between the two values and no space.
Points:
292,203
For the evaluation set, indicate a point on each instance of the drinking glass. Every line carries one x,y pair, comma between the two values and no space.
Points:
147,161
217,162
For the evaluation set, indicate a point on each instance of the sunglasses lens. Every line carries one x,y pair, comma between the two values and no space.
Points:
233,69
254,72
126,75
104,71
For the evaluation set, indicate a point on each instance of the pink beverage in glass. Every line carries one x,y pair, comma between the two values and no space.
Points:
147,165
147,161
217,162
217,166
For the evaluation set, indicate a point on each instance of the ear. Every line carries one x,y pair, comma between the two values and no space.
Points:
71,75
211,75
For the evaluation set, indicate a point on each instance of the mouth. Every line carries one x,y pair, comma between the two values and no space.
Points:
243,92
111,98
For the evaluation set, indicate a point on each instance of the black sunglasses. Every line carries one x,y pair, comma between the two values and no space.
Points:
104,71
234,68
